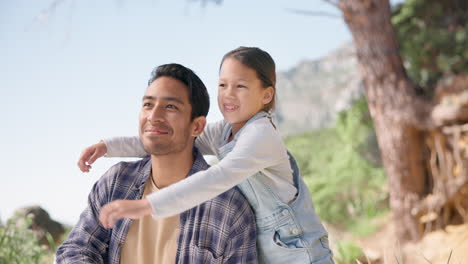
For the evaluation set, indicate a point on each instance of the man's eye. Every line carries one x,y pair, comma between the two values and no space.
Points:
241,86
171,106
146,104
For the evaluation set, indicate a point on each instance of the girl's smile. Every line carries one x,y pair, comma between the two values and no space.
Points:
230,107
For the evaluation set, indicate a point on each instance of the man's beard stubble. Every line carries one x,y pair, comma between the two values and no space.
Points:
166,148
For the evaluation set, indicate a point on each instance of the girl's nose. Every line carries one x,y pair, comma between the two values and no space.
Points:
229,91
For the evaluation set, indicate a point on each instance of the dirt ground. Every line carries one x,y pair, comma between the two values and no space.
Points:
438,247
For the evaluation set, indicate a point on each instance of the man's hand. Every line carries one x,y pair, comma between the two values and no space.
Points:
90,155
119,209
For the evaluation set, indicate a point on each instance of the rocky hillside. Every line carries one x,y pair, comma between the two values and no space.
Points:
311,94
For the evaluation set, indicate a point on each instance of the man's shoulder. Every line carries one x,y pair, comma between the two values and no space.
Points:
136,165
127,170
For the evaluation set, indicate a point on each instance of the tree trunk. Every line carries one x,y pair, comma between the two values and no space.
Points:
399,114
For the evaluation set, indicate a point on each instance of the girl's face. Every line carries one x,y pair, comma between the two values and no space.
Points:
240,93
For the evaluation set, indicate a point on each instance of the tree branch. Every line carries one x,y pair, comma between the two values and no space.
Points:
204,3
45,13
312,13
334,3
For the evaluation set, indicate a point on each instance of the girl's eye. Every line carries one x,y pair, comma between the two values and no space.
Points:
222,85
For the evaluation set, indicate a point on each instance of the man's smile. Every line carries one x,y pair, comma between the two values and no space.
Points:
154,131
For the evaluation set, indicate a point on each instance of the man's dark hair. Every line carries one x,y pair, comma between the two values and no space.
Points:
198,95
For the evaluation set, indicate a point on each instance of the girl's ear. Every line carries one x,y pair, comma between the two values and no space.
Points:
198,124
268,95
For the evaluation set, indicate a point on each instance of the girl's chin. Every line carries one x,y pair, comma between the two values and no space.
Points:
230,119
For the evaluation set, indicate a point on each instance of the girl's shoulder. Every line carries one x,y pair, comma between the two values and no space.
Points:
262,129
263,124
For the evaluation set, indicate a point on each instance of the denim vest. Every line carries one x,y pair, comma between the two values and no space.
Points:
286,233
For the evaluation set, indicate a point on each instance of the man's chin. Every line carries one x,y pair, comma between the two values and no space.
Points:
158,146
158,149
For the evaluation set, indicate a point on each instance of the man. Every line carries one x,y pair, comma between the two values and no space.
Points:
221,230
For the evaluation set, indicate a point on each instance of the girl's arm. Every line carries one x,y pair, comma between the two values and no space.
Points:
132,146
114,147
124,147
257,148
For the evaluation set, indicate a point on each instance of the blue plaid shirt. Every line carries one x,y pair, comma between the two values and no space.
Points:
221,230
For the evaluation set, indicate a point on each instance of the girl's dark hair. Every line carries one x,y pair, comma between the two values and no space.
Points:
198,95
259,61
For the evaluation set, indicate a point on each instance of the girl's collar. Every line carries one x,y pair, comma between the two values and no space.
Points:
261,114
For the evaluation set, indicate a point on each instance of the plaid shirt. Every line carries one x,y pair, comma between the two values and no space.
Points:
221,230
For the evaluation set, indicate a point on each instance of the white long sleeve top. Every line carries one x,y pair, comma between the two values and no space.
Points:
259,147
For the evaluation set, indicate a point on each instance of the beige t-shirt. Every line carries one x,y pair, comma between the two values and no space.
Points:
149,240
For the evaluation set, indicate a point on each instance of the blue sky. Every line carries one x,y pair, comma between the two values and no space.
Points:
78,74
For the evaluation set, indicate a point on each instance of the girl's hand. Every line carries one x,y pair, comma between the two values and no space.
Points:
119,209
90,155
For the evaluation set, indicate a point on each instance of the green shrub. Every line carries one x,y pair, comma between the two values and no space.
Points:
19,244
346,187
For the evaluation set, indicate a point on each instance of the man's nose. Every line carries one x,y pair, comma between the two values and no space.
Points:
156,114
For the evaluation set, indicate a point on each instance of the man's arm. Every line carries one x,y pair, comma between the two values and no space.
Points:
88,241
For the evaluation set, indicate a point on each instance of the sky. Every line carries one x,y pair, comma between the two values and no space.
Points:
76,74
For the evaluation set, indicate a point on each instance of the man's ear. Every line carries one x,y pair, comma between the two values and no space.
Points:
198,124
268,95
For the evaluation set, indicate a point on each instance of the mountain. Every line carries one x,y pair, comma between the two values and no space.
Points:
310,95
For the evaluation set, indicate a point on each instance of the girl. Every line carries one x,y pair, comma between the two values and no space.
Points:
252,156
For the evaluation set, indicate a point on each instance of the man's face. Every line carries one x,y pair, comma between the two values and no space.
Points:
165,125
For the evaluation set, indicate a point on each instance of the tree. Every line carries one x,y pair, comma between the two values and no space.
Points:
400,112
